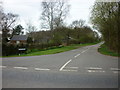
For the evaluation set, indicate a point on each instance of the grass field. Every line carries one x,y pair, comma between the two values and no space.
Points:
104,50
54,50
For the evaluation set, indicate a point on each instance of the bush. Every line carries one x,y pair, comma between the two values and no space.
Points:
9,49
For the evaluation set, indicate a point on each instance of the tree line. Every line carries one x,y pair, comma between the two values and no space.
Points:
8,25
106,18
52,18
65,35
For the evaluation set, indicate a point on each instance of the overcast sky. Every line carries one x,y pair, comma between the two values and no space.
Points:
29,10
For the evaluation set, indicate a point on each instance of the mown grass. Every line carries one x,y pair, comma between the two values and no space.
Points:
104,50
53,50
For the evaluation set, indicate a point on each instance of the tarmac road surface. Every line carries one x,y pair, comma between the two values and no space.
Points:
79,68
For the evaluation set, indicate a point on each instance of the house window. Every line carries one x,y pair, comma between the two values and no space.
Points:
17,42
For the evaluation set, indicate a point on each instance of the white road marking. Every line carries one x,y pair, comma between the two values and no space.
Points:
65,64
77,55
95,71
84,50
115,69
69,70
94,68
115,72
42,69
72,67
3,66
21,68
101,71
91,70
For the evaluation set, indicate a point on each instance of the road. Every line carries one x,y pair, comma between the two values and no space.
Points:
79,68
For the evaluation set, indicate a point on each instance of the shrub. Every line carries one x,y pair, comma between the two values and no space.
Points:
10,49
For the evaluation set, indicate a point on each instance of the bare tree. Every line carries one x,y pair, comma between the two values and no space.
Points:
30,27
1,14
1,9
54,13
81,23
78,23
31,30
62,11
7,23
8,20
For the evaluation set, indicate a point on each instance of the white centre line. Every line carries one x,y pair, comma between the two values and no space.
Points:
65,64
21,68
115,69
116,72
96,71
69,70
77,55
94,68
42,69
84,51
72,67
3,66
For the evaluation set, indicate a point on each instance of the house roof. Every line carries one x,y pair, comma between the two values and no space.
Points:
19,37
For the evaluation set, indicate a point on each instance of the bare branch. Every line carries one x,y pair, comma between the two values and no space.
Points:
54,13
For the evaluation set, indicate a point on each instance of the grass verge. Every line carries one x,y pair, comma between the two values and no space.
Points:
104,50
54,51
